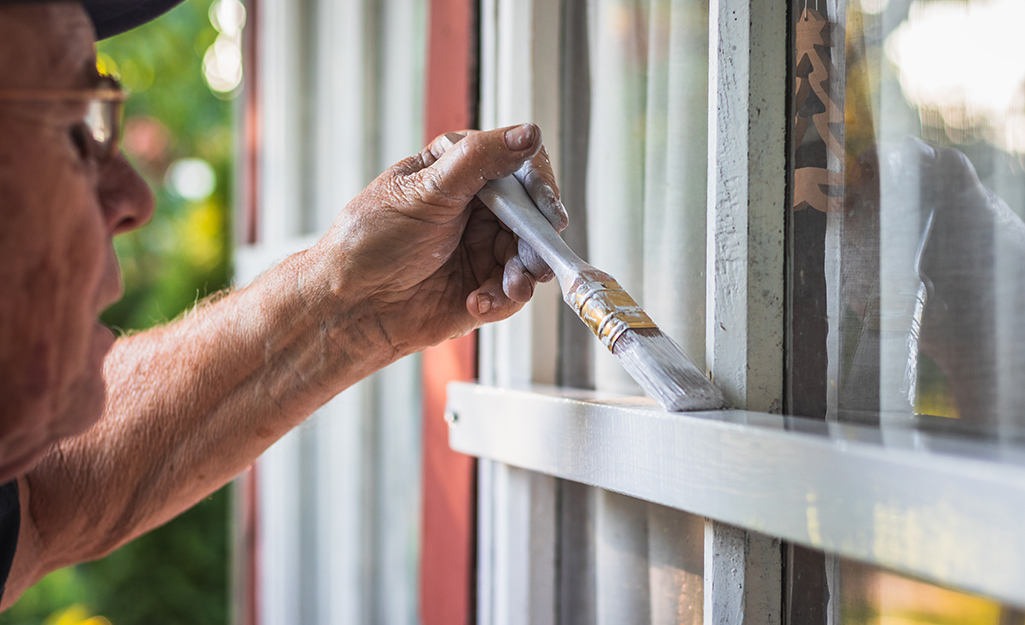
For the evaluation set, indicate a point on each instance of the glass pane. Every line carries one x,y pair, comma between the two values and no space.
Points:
647,163
906,246
872,596
908,192
637,182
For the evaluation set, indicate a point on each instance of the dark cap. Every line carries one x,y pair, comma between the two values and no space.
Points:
111,17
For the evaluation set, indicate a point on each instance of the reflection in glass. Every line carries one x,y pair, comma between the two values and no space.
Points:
907,246
872,596
907,267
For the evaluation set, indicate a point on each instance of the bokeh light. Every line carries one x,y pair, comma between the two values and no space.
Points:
222,63
963,66
191,178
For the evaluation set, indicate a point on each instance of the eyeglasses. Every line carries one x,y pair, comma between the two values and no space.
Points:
97,136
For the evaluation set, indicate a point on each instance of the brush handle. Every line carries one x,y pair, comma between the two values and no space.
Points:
507,199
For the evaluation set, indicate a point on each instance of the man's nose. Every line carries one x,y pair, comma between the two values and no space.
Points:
125,198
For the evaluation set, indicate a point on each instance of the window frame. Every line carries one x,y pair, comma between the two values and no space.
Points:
528,435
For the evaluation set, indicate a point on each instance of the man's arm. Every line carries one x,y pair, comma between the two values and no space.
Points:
412,261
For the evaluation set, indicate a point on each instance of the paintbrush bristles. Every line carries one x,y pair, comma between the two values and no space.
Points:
651,358
665,373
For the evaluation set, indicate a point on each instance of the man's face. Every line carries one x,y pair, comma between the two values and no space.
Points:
59,210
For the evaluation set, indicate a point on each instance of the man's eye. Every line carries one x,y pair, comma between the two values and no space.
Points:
82,141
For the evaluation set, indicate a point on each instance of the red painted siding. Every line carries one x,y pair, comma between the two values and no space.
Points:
447,570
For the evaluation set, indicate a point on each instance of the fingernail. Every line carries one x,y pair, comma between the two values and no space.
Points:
520,137
484,302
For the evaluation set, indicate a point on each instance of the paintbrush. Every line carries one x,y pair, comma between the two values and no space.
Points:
650,356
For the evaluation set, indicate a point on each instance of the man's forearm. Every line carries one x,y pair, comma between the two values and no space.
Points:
411,261
192,404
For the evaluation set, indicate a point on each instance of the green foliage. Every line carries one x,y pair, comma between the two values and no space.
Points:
174,575
178,573
182,255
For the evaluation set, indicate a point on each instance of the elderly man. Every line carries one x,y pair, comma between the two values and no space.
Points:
103,440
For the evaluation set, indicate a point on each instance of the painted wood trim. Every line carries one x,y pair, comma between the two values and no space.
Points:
250,144
929,503
743,575
447,575
747,122
245,551
245,554
451,80
283,99
517,523
747,200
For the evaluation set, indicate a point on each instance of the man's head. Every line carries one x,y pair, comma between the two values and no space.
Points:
60,205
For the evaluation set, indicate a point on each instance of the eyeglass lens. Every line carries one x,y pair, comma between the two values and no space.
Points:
103,120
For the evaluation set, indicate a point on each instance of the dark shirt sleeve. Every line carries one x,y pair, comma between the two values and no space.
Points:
10,523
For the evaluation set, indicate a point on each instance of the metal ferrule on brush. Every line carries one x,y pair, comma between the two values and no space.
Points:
607,309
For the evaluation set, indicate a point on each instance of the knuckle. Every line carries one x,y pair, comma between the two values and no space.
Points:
429,187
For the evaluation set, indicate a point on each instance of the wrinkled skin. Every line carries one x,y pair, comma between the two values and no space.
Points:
430,259
58,215
102,456
411,246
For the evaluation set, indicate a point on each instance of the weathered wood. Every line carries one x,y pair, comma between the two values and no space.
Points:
742,576
935,506
747,123
747,200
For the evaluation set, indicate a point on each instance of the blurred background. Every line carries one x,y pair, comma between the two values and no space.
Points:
183,73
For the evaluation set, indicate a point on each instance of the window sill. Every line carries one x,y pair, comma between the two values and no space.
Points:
947,509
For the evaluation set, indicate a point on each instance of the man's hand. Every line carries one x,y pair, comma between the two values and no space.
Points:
418,254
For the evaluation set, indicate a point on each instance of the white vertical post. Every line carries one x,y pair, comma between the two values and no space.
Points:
742,577
525,36
489,488
517,518
615,234
746,201
339,496
401,48
342,524
675,566
280,509
283,101
401,42
342,128
746,213
397,488
615,165
341,133
675,170
621,559
280,500
524,554
836,12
